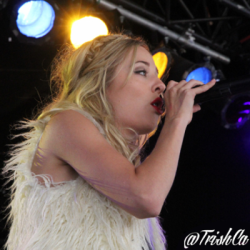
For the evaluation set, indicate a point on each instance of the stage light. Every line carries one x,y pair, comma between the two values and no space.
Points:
203,74
162,59
35,18
236,111
180,68
161,62
86,29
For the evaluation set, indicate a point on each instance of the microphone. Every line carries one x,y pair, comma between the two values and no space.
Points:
224,89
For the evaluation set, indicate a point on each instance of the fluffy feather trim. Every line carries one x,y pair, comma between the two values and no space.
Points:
68,215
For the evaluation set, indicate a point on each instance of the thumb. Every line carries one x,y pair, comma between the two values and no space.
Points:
196,108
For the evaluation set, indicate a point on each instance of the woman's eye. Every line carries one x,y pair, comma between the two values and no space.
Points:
141,72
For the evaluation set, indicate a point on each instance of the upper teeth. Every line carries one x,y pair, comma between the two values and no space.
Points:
154,104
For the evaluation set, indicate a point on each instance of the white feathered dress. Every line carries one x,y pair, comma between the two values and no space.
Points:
71,215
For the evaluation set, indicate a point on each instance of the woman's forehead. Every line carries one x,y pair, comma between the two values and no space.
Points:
141,55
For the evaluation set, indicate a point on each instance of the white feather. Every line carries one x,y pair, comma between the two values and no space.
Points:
70,215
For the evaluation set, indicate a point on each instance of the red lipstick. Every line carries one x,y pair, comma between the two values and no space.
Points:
159,105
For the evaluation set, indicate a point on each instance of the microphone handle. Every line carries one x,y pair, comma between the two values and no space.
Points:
224,89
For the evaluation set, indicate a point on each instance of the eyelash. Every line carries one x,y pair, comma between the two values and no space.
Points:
139,71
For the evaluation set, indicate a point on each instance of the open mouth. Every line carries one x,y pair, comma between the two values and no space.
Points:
159,105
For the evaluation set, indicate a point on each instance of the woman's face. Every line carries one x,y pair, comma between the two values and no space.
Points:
135,103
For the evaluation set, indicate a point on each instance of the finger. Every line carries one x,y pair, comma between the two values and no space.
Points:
192,83
204,88
196,108
183,85
212,82
171,84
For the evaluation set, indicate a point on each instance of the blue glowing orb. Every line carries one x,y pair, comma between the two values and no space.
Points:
202,74
35,18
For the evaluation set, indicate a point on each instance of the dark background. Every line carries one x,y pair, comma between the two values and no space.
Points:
211,188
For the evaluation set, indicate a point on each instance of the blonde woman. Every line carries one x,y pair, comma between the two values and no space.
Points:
78,181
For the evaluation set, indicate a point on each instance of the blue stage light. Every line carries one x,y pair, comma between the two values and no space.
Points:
35,18
202,74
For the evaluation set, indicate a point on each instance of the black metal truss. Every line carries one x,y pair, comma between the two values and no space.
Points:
220,24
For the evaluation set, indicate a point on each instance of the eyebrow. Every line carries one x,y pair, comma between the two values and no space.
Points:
148,64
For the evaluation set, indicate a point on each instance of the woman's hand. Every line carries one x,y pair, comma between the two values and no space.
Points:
179,99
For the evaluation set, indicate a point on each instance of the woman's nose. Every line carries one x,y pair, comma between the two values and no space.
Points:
159,86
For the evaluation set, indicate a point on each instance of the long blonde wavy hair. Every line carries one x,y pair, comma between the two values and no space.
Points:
81,77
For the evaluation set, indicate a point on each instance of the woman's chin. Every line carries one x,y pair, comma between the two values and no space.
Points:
149,129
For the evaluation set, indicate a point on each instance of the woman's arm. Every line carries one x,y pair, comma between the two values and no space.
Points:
156,174
75,140
141,192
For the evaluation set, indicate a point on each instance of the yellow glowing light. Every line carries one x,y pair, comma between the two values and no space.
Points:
86,29
161,62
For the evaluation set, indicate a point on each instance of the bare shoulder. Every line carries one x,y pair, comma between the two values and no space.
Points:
66,134
57,142
69,124
69,130
68,119
75,140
